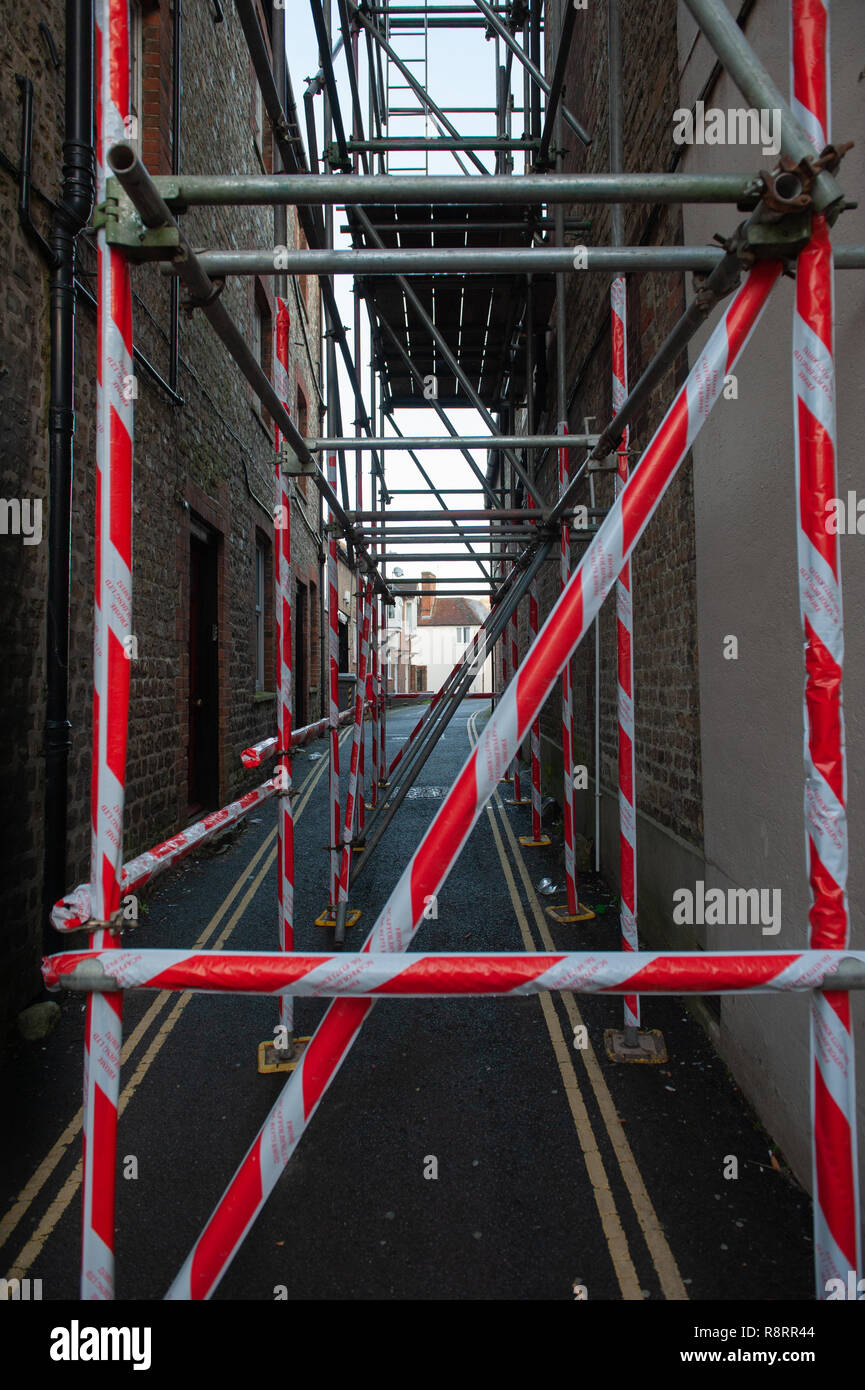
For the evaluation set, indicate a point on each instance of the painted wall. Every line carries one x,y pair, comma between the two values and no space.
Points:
438,649
745,518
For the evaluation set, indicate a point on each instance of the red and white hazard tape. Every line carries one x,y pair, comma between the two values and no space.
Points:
833,1087
282,607
395,974
333,691
260,752
76,910
536,724
518,706
382,688
567,701
515,661
374,777
113,649
364,606
625,665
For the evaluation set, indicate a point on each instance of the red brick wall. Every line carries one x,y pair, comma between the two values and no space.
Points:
211,454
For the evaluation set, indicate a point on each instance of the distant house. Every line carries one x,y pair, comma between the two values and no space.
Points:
399,647
445,625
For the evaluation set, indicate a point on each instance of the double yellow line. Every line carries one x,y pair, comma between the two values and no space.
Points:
656,1242
33,1248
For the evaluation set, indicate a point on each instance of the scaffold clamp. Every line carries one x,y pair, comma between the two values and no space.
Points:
125,230
292,464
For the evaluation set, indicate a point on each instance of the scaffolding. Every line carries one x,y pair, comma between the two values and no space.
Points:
457,275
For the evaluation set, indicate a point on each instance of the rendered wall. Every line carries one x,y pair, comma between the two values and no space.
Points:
745,519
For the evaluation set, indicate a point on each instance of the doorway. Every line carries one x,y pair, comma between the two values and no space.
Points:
301,674
203,747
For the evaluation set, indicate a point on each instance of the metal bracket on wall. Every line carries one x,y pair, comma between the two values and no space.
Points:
125,229
292,465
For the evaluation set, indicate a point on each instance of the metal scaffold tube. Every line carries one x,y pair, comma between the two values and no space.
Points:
755,84
404,910
136,181
837,1238
436,113
451,361
112,626
499,190
467,260
436,492
455,688
283,583
508,535
398,974
437,441
442,414
537,839
573,910
632,1039
536,75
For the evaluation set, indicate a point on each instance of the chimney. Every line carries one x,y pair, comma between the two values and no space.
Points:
428,585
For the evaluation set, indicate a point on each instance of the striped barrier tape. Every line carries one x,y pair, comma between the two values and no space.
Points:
404,973
76,910
112,653
567,699
282,582
625,665
365,596
404,910
837,1248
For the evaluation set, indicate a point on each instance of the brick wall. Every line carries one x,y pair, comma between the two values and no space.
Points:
665,661
211,456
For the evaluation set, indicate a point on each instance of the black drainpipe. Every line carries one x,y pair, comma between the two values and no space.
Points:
176,97
72,214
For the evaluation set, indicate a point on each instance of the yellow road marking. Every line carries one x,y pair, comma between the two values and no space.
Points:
37,1241
617,1243
35,1184
662,1256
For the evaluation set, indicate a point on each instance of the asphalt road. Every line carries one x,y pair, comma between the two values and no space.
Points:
554,1167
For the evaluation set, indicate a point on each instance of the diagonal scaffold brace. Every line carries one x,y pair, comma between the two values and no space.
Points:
404,910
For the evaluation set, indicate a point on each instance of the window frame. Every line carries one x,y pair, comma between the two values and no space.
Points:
259,613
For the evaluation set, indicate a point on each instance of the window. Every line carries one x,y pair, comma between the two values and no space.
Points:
302,411
410,615
262,339
305,282
258,120
463,634
302,417
136,61
258,334
260,572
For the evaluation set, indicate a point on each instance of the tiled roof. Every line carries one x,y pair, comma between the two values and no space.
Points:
453,612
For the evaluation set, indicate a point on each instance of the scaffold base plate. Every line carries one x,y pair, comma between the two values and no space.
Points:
269,1060
650,1047
534,844
560,913
507,778
512,801
328,917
